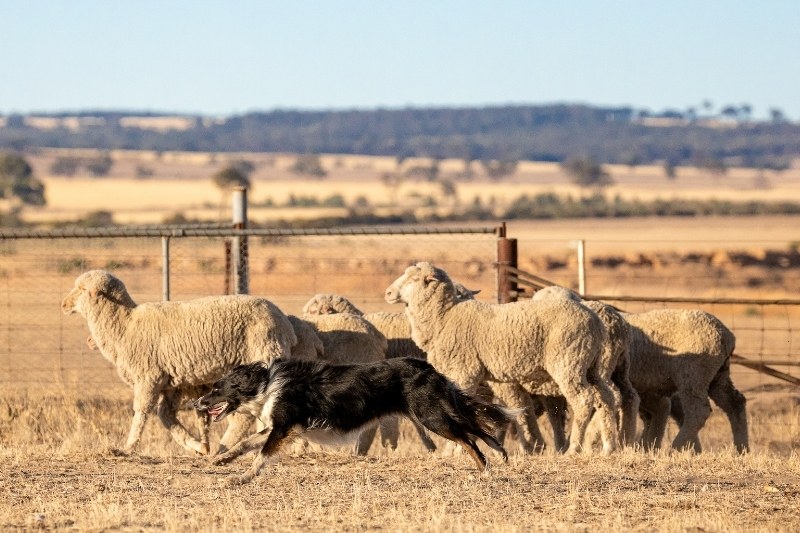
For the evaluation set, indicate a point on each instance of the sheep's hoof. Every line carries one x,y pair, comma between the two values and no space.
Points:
117,452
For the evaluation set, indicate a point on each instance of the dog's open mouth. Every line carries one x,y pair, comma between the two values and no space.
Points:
217,411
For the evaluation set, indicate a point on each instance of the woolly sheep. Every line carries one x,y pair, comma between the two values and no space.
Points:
520,345
309,346
685,354
615,359
167,350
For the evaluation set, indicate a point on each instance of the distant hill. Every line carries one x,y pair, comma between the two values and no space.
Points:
543,133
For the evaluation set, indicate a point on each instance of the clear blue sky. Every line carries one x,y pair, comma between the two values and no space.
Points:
222,58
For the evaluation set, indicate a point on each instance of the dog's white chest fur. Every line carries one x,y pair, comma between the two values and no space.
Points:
329,437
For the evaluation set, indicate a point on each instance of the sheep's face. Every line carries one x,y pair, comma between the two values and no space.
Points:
418,281
329,304
91,285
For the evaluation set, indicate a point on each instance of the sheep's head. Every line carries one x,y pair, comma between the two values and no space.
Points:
329,304
463,293
90,287
420,282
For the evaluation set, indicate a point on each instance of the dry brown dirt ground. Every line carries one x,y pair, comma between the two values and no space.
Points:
58,473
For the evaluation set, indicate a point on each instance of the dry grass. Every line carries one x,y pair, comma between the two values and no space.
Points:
54,441
58,473
181,182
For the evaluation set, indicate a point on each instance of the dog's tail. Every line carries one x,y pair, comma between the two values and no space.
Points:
482,418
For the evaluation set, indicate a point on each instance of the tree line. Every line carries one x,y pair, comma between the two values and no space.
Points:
502,133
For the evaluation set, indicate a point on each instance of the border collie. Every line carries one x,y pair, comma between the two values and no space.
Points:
331,404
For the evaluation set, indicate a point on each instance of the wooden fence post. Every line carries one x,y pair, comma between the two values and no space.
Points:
506,257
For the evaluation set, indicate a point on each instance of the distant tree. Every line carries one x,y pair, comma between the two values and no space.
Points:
632,161
777,116
497,169
230,177
392,181
713,165
308,165
98,218
225,180
708,106
670,169
99,166
65,166
17,180
730,112
143,171
448,190
586,172
746,112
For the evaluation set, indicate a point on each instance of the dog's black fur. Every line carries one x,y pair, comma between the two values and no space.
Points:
325,403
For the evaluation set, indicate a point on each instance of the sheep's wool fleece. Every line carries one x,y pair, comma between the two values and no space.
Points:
178,343
516,342
670,346
348,338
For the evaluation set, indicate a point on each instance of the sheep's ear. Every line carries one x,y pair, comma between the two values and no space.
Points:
430,278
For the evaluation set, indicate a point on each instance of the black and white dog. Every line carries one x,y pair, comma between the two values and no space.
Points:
331,404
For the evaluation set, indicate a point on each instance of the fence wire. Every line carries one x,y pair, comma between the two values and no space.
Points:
39,346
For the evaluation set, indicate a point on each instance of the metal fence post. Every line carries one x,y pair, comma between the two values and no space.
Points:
582,267
506,257
165,268
239,247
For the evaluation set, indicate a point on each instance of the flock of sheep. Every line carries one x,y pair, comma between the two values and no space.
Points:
554,354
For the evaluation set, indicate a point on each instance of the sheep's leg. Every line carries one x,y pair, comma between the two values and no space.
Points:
365,440
513,395
556,409
606,404
166,413
238,426
696,410
734,404
581,400
145,398
655,413
390,431
629,406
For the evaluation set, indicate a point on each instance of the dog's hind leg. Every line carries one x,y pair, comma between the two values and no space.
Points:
424,437
166,413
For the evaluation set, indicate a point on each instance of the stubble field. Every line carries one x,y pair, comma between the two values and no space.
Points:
58,471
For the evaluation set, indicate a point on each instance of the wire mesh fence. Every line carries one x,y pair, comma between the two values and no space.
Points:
747,286
39,346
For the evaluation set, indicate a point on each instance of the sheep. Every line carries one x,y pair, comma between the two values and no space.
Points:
168,350
614,361
684,354
520,346
309,346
